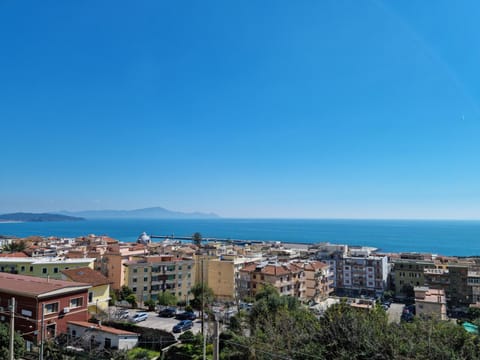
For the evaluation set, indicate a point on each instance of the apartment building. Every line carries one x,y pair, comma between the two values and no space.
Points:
473,283
356,270
111,263
287,278
148,276
50,267
430,302
409,271
224,275
318,280
42,304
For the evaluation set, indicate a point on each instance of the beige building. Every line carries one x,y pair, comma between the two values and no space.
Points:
318,280
430,302
409,272
112,262
288,279
224,274
149,276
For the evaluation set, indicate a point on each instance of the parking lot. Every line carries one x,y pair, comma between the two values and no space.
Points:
156,322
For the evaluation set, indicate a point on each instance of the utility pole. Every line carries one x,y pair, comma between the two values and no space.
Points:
203,302
12,326
42,332
215,340
203,313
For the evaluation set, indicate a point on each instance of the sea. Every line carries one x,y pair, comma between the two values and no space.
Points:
443,237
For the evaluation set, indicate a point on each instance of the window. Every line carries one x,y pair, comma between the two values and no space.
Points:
51,330
55,270
22,268
31,268
134,271
134,280
90,297
108,343
145,288
134,289
77,302
145,270
145,279
44,270
51,308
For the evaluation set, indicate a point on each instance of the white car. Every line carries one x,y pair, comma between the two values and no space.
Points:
139,317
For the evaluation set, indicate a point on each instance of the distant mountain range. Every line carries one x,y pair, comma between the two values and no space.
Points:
147,213
31,217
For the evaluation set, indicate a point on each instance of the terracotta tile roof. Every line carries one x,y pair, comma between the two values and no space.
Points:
33,286
15,254
86,275
270,269
249,267
315,265
107,329
275,270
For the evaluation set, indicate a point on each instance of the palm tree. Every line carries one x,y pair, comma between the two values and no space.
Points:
197,239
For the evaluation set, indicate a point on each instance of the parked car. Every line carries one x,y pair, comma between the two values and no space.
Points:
182,326
168,312
122,314
186,315
140,317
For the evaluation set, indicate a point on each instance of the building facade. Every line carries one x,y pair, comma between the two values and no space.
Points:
42,306
149,276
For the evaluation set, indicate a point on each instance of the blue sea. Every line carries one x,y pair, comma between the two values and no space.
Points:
460,238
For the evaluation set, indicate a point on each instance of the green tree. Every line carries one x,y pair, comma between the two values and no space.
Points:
132,300
167,299
124,292
18,345
202,294
197,239
150,304
15,246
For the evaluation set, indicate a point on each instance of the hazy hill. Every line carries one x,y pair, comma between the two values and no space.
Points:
33,217
147,213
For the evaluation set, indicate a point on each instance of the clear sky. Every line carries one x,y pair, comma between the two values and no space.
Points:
315,109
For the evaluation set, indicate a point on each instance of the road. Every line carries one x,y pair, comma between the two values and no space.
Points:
395,312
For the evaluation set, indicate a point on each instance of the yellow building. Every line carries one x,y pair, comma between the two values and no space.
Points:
111,263
223,275
98,294
50,267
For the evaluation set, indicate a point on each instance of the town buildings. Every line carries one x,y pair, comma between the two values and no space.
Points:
50,267
98,294
356,270
42,306
430,302
223,276
305,280
83,332
150,275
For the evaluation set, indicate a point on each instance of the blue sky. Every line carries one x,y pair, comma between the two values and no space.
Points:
316,109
